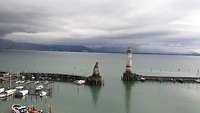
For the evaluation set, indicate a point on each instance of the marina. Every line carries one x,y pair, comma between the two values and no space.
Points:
99,56
46,88
95,79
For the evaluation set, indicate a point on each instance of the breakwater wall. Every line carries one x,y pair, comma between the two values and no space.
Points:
168,79
52,77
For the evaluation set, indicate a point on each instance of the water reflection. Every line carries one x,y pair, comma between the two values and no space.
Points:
95,93
128,86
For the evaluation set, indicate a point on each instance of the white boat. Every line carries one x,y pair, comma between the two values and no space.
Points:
7,93
37,82
79,82
3,95
10,92
40,87
19,82
19,109
2,90
142,79
198,80
43,93
19,87
28,82
46,82
21,93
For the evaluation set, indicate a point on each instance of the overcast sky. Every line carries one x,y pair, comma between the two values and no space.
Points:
154,25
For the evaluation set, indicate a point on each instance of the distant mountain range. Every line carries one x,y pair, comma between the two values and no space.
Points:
8,44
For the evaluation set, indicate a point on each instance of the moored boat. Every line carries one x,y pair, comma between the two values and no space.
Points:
19,109
19,82
142,79
10,92
33,109
28,82
46,82
19,87
21,93
2,90
16,108
43,93
79,82
198,80
3,95
37,82
40,87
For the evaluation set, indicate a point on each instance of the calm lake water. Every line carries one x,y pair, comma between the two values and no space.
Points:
116,96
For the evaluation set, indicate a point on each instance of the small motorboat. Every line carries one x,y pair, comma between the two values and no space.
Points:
79,82
33,109
28,82
37,82
19,109
2,90
46,82
10,92
21,93
19,82
7,93
43,93
197,80
3,95
142,79
40,87
19,87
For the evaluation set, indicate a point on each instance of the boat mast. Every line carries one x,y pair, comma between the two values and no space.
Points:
10,79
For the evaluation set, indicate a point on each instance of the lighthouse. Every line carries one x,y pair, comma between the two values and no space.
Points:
129,64
128,74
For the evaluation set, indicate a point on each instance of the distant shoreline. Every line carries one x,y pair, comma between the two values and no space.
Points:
101,52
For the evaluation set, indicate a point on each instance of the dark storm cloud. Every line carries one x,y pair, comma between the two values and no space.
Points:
160,25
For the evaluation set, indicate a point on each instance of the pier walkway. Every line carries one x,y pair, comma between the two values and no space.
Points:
168,79
52,77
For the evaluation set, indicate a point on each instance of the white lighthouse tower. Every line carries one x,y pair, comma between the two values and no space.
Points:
129,64
128,75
